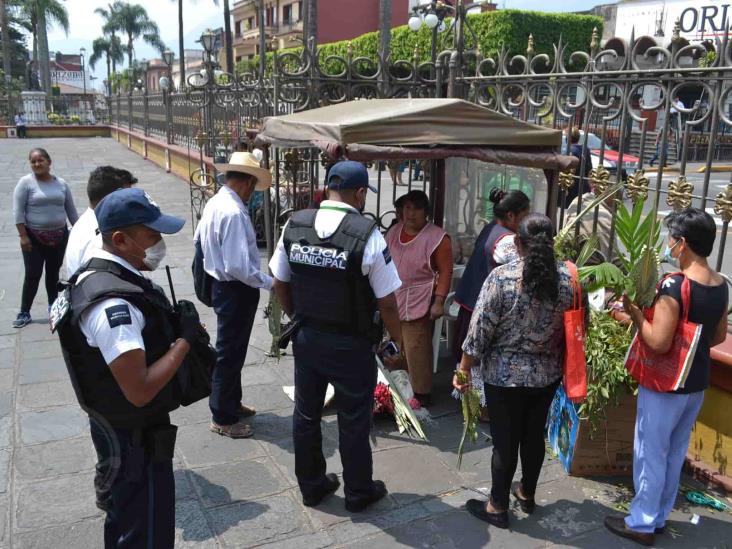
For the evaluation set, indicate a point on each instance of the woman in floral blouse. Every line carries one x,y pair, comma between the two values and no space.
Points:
516,336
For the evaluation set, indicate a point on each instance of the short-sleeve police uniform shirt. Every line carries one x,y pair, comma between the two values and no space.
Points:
377,264
113,325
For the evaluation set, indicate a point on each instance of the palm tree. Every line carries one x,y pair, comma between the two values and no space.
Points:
112,50
181,45
44,13
110,27
133,20
5,30
384,27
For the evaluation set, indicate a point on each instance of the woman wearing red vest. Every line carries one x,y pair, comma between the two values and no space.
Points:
422,254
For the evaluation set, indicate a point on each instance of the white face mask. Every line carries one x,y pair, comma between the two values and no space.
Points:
155,254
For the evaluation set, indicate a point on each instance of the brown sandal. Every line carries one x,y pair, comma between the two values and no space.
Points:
237,430
246,411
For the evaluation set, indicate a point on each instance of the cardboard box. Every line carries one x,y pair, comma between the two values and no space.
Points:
608,452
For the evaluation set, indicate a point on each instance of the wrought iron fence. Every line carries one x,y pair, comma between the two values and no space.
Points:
632,101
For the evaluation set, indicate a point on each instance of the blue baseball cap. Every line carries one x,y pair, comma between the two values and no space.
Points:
351,174
125,207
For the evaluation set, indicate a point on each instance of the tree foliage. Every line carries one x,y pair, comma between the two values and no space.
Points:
494,30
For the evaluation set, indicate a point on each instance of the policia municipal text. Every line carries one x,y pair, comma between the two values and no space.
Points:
123,345
332,272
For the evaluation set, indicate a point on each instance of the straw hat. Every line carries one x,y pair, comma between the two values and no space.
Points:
246,162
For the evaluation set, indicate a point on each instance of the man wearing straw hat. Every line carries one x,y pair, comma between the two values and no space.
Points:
230,256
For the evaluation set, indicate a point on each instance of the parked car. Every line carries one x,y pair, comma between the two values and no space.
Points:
610,158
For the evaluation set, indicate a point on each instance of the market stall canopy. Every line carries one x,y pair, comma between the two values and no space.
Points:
417,128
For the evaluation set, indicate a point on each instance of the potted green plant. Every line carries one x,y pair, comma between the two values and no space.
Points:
598,434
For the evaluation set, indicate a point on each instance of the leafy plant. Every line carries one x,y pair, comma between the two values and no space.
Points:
470,401
606,344
639,244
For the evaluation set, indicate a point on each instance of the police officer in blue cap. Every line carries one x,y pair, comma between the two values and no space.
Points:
123,344
333,272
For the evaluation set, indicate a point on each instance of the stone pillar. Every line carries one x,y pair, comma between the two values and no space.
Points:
34,106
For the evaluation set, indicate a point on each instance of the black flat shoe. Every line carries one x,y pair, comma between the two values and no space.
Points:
528,505
332,484
476,508
358,505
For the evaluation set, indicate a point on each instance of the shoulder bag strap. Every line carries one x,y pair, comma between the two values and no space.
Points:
576,288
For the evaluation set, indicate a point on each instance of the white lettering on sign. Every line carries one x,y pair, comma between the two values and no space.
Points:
328,258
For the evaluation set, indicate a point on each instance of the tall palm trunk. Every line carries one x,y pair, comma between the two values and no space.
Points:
227,31
109,74
4,28
114,62
129,51
312,29
43,51
181,46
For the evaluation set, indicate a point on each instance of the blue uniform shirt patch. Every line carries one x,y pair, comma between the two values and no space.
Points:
387,256
117,315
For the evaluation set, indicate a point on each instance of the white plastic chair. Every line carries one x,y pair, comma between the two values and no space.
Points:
439,323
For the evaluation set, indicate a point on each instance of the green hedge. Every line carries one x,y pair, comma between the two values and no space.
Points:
493,29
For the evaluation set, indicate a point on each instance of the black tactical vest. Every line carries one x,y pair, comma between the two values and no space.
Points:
95,387
329,290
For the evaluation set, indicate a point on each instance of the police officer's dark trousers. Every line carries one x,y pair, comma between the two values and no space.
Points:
235,305
139,484
346,362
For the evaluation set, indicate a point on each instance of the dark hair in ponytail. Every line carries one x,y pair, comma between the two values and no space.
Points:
540,276
505,202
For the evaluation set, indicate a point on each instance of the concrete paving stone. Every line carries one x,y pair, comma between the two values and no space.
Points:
197,412
55,458
254,523
7,381
4,470
403,471
183,487
200,447
270,425
6,425
4,519
318,540
54,424
191,527
41,370
6,403
87,534
56,501
332,510
38,330
359,527
240,481
266,397
282,452
258,375
7,343
45,395
43,349
476,465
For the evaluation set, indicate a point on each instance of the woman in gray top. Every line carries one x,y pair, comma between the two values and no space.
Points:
516,335
42,203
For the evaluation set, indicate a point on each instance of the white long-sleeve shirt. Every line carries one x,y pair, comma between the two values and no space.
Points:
229,243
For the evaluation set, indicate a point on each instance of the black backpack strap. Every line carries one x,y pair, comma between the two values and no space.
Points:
357,226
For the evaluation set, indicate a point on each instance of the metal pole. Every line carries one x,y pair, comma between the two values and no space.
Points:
262,40
83,78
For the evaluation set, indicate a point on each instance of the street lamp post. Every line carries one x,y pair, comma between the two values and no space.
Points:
431,15
168,59
82,53
208,41
144,66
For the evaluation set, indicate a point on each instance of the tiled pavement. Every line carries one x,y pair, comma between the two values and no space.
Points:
243,493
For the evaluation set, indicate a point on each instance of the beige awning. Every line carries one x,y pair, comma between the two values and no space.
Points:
405,122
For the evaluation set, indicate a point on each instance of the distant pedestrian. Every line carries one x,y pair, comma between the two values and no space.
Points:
516,336
659,142
582,173
42,204
84,237
664,420
20,125
229,245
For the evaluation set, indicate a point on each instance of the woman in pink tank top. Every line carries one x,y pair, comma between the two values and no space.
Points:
422,254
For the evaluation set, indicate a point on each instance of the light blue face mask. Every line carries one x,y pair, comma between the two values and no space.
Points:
668,258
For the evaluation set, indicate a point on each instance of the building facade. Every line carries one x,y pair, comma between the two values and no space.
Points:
283,22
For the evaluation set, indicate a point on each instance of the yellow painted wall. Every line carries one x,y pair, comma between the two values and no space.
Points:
711,439
156,154
137,145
